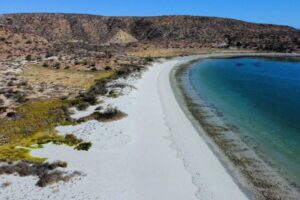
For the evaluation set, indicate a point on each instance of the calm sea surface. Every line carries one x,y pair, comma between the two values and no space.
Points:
262,98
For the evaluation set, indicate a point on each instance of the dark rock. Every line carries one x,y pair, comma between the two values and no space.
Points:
13,115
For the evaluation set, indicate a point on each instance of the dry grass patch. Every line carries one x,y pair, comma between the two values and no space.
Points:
36,74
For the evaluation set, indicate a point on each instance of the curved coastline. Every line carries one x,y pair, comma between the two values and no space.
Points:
240,161
209,176
154,153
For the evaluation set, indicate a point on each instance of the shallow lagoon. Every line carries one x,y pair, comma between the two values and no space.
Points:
261,97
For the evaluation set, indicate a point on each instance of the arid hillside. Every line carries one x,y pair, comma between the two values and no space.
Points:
162,32
45,56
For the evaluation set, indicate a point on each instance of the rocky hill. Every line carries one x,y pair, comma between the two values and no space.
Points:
163,32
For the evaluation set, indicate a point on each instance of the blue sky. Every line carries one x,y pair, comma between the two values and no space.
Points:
285,12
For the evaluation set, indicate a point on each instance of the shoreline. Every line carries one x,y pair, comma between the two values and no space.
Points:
153,153
263,183
194,150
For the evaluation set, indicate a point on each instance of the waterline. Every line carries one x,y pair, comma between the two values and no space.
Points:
225,137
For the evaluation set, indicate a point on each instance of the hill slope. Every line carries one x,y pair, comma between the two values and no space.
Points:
164,31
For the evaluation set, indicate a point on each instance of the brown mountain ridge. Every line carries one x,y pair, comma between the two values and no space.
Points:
163,31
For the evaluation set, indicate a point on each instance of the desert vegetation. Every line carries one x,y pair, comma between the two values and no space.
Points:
31,124
85,146
47,173
109,114
35,125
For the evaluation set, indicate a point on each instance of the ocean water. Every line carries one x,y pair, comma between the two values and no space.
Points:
261,97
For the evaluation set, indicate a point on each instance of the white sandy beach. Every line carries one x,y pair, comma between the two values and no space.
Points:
154,153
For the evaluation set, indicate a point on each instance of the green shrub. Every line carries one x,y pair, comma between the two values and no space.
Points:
45,65
82,106
85,146
72,140
28,58
149,59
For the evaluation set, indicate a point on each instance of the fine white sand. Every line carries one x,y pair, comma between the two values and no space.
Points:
153,154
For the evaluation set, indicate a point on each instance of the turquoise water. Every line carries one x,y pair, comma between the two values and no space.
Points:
262,98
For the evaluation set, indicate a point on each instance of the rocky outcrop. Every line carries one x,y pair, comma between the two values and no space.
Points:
122,37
